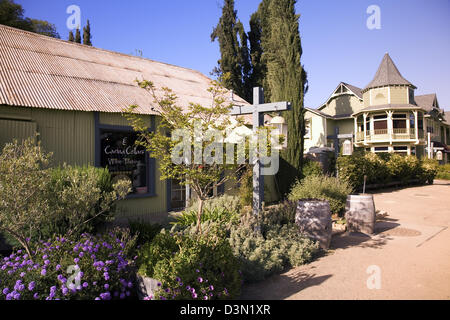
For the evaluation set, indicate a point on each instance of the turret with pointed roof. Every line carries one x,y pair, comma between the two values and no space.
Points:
387,75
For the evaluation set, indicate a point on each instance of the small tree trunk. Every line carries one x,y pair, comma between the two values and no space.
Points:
199,215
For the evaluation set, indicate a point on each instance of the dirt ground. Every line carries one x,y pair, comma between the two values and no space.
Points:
408,257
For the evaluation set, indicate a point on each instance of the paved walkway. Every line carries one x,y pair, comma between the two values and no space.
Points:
411,251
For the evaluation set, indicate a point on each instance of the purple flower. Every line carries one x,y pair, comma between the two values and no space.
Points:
5,291
200,279
105,296
178,279
47,262
65,291
85,284
43,272
81,254
58,266
194,295
76,260
106,286
36,296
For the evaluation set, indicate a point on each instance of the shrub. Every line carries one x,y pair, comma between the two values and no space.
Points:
145,232
38,202
231,203
24,200
83,199
385,168
216,214
332,189
191,266
443,172
97,268
270,243
311,168
429,169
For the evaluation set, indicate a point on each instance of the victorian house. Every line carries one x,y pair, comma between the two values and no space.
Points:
385,116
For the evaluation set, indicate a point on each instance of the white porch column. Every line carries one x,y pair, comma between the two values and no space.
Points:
365,128
416,126
390,125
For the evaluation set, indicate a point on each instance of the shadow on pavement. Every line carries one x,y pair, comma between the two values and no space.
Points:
280,287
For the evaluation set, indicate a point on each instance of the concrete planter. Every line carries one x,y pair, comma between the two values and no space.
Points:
360,213
313,218
146,287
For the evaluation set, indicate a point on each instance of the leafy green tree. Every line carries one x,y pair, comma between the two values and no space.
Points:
197,121
12,14
87,34
235,57
44,27
77,36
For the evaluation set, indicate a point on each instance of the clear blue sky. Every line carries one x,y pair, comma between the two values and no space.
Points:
337,45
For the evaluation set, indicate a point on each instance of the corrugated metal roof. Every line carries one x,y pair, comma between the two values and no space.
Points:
39,71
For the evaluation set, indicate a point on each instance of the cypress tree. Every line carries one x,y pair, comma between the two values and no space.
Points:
77,36
87,34
234,63
286,80
71,39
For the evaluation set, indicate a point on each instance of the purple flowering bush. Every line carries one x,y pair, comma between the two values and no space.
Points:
92,267
191,266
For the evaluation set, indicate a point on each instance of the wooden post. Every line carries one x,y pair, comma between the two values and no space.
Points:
258,179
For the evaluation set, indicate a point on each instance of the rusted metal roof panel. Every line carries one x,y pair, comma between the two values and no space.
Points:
43,72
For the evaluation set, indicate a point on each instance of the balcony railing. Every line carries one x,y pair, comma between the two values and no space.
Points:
386,134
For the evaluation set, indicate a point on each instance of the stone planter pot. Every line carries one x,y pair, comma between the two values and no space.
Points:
313,218
146,287
360,213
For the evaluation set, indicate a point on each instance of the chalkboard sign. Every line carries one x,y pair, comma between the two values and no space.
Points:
124,159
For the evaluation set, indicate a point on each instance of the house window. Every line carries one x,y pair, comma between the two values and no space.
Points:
400,149
380,122
399,121
381,149
124,159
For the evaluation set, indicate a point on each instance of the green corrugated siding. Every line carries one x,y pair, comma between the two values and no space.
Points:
14,129
68,134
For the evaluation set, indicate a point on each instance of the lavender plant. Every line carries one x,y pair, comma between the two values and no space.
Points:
95,268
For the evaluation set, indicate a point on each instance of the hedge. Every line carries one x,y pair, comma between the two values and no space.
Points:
385,169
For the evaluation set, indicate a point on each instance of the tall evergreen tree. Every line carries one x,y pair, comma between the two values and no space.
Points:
71,38
77,36
286,79
87,34
235,58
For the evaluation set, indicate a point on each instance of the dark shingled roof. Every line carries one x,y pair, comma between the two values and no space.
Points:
387,74
355,90
425,101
